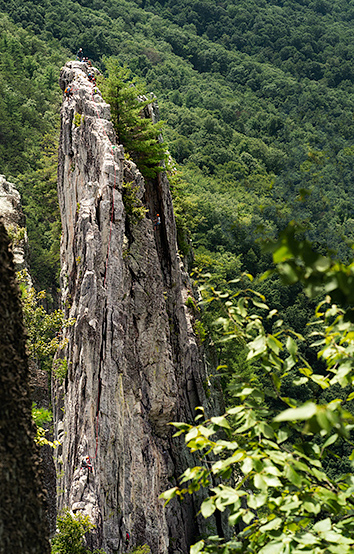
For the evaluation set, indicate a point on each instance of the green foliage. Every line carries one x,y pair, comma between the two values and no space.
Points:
43,329
133,206
38,188
60,369
270,450
29,95
143,549
258,103
16,234
138,134
78,119
41,416
72,529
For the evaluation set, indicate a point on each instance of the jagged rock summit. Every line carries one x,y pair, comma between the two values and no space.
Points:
133,363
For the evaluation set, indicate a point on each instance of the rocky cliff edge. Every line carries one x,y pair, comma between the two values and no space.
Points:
133,362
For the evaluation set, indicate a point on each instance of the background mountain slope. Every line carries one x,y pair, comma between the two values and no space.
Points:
258,104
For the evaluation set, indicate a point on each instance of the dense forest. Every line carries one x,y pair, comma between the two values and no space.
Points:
258,108
257,102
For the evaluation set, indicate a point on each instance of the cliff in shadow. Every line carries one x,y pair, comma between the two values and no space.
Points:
22,515
133,362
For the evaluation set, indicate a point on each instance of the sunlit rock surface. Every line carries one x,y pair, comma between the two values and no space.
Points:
14,220
132,356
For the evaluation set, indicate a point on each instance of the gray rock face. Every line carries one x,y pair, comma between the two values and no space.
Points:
132,356
14,221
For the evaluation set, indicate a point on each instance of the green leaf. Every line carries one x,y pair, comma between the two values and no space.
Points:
221,422
324,525
260,304
304,412
247,466
255,501
274,344
259,482
208,507
168,495
197,547
283,435
291,346
271,525
248,516
330,440
292,476
273,548
282,253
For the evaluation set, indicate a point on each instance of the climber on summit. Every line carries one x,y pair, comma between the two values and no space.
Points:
80,54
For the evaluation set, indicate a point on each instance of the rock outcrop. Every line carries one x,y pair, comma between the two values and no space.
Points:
14,221
132,357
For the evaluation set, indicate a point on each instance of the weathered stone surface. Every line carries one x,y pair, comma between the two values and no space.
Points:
22,518
14,220
133,361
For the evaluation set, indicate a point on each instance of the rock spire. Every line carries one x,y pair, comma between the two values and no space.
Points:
132,359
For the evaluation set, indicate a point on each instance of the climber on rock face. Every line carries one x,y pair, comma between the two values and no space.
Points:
86,464
91,77
157,222
68,92
127,539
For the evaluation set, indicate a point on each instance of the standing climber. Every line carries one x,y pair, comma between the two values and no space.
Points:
80,54
127,539
157,222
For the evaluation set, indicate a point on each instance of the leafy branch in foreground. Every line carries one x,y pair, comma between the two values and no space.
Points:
264,460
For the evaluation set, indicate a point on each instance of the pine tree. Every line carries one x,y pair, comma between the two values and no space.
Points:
138,134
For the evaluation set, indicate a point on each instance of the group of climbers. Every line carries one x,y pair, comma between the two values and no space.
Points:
91,76
80,56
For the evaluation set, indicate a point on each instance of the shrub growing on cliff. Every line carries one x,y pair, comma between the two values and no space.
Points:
43,329
70,538
138,134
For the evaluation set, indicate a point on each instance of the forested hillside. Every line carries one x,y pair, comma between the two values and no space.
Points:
257,102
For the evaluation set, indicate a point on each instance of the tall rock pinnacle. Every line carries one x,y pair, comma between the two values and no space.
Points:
133,364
